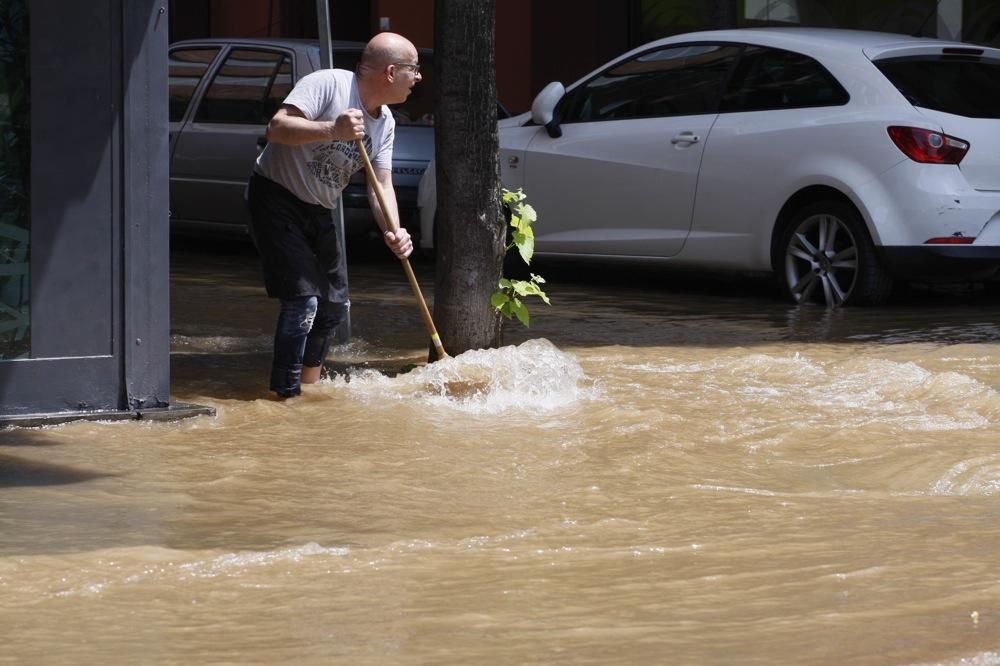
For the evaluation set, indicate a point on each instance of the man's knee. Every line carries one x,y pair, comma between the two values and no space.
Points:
298,315
329,316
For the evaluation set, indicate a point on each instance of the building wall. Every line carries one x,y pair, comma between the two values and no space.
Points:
412,18
245,18
515,54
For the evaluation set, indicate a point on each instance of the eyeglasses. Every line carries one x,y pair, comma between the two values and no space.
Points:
414,67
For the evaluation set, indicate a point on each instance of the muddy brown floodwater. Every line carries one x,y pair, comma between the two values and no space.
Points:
660,470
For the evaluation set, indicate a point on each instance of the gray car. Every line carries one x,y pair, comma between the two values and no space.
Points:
222,94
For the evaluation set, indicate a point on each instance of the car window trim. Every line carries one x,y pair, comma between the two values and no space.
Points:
209,75
228,49
574,90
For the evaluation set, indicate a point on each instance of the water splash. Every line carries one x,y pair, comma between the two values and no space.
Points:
981,659
532,376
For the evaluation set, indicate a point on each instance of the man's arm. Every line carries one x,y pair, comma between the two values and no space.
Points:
290,126
399,242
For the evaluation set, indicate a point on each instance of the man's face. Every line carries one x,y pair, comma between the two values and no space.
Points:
406,74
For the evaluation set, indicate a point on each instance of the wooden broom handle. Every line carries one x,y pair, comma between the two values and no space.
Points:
394,228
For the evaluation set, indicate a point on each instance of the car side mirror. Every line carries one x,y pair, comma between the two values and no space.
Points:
544,107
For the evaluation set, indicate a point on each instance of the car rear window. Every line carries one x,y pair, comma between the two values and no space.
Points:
769,78
964,86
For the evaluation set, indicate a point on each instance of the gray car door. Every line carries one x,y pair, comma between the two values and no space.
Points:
215,150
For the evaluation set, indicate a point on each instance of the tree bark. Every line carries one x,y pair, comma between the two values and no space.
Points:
470,227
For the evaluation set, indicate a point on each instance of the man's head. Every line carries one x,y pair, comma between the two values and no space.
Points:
389,68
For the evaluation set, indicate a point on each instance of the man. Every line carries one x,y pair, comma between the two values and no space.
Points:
309,159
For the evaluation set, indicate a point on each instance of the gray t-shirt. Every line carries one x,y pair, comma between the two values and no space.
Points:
317,172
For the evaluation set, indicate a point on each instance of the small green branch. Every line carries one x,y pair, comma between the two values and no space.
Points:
509,299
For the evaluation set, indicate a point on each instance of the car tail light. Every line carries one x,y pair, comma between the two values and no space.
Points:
928,146
951,240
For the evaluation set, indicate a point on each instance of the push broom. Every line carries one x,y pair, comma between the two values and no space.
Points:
393,226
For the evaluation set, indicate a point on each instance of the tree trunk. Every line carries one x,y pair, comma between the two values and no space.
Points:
470,228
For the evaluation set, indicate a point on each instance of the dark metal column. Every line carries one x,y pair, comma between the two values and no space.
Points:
146,177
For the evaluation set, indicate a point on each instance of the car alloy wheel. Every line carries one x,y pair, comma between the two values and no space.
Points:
829,258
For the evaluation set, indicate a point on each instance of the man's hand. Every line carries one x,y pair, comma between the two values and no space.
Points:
350,125
290,126
400,243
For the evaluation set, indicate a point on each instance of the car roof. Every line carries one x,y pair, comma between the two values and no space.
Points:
818,41
286,42
803,37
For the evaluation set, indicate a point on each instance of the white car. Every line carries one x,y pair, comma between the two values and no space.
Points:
840,160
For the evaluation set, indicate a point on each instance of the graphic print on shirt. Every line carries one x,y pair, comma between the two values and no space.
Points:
334,162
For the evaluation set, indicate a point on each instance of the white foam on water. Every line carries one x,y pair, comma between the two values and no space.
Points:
129,567
976,477
532,376
865,390
910,396
234,563
981,659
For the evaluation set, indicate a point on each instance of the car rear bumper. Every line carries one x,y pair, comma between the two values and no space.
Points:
942,263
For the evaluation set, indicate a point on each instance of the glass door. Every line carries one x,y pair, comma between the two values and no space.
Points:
15,166
61,303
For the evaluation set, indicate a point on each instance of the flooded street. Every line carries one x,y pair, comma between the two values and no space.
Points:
658,471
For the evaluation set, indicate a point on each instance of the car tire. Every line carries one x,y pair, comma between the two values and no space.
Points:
826,256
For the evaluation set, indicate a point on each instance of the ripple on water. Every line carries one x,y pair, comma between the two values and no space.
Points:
837,393
94,573
981,659
533,376
974,477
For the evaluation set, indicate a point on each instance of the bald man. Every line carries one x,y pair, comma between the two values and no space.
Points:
310,157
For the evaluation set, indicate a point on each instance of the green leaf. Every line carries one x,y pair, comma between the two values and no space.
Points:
527,249
521,312
508,196
525,288
508,300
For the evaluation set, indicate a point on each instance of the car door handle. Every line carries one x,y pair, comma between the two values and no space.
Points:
685,137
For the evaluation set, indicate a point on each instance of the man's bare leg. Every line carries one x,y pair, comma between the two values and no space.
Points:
311,374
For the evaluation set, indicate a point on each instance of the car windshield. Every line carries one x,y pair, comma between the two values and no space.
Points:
964,86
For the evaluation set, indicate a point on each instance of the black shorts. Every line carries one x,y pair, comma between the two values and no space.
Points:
297,242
